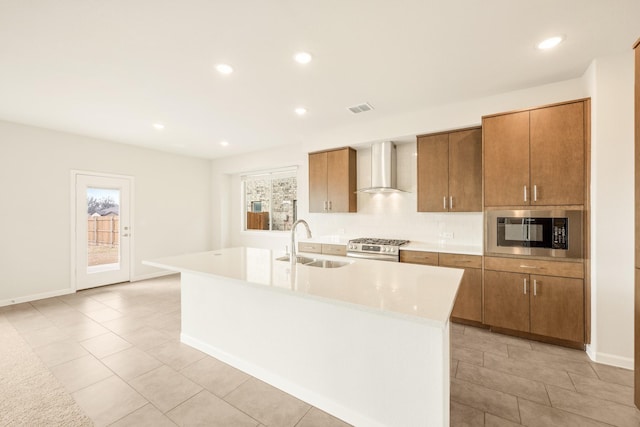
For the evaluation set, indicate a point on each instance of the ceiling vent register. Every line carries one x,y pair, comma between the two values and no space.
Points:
361,108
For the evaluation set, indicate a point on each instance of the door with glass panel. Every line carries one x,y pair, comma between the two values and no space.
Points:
102,230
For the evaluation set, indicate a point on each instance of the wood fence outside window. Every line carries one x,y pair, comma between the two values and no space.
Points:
103,230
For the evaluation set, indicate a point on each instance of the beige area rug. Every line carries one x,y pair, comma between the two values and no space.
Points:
29,393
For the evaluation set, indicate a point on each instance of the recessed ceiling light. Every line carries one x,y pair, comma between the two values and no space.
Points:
302,57
224,68
224,143
158,126
301,111
549,43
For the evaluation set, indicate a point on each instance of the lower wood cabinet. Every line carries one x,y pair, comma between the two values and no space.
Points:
550,306
468,305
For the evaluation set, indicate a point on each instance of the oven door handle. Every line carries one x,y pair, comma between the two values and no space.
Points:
380,257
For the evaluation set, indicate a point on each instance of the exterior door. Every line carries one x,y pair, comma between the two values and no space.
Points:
102,230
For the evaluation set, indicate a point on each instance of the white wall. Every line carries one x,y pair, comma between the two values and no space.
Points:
172,205
611,81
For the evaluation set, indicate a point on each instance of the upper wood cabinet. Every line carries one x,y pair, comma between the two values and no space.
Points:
536,157
332,181
450,171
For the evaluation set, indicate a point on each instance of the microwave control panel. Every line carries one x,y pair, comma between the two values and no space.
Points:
560,234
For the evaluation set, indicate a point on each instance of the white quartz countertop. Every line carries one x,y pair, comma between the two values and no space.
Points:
418,292
411,246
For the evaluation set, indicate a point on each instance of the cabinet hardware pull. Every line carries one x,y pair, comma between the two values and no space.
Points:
450,202
444,202
524,286
330,207
535,287
525,193
528,266
535,193
325,205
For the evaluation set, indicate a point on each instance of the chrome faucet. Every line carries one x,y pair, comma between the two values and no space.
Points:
294,256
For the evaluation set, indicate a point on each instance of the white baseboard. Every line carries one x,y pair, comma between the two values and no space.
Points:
152,276
614,360
34,297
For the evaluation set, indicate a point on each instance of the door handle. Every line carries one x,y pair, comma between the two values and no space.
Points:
535,287
525,193
450,202
524,286
535,193
444,203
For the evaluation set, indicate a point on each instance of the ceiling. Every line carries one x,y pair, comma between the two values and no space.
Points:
111,69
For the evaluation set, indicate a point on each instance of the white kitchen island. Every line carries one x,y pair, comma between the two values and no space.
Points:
367,342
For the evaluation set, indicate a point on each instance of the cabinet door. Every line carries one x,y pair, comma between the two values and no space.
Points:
468,303
341,180
419,257
557,307
506,300
557,155
433,173
465,171
506,159
317,182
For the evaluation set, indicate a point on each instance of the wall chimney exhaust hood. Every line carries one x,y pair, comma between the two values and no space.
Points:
383,169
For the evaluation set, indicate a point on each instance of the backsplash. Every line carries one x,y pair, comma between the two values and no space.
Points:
394,215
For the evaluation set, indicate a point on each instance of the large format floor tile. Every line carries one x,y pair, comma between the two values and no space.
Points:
117,350
207,410
267,404
108,400
165,388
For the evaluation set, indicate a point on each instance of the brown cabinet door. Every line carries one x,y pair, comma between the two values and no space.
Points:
317,182
341,180
506,159
468,303
557,155
465,171
419,257
433,173
506,300
557,307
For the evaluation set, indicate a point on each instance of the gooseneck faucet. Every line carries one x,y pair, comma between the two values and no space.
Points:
294,256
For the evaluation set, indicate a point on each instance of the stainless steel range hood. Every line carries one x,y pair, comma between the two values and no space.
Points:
383,169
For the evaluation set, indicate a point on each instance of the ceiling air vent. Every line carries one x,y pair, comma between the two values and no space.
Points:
361,108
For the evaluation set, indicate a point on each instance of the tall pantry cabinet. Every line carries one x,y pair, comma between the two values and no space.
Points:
538,159
637,239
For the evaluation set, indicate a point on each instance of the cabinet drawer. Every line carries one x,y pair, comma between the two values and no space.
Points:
460,261
340,250
309,247
419,257
535,266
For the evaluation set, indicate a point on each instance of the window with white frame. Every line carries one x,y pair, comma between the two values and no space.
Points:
270,199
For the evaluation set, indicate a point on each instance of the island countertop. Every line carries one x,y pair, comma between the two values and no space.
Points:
417,292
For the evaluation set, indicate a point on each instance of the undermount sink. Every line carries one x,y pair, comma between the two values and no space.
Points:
299,259
314,262
325,263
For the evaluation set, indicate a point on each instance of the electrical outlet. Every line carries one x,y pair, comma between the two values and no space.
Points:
446,234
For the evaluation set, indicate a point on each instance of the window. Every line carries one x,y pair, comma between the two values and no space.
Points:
270,199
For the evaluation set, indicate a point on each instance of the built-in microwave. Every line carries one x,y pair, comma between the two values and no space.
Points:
552,233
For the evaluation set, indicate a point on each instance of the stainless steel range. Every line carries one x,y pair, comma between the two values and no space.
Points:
379,249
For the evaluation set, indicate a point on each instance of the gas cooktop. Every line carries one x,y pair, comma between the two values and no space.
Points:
374,241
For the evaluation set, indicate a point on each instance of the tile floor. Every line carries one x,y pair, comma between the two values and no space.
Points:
117,351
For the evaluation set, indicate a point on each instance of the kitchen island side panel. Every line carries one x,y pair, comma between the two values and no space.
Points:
363,367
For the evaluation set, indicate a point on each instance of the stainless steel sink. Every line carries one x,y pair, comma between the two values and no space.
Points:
299,259
314,262
325,263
